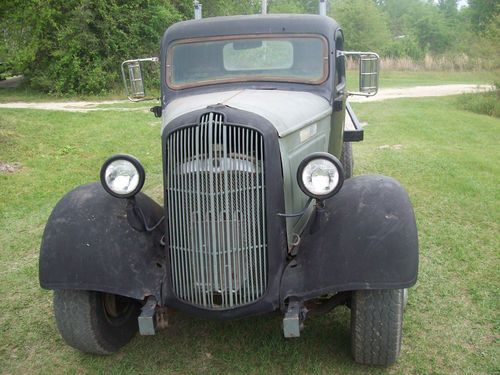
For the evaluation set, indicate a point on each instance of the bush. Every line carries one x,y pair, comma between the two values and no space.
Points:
487,103
76,46
403,47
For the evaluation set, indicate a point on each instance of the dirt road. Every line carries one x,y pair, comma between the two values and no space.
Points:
79,106
421,91
383,94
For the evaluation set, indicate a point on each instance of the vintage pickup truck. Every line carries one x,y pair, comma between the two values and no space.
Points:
261,212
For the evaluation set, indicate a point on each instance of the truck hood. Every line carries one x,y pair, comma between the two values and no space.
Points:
288,111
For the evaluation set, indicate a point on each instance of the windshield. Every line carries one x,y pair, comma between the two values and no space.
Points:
289,58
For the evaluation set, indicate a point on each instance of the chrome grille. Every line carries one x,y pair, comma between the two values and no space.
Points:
216,211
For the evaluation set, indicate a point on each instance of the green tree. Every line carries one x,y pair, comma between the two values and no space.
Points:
404,46
422,22
213,8
432,33
365,26
484,40
76,46
286,6
482,13
448,8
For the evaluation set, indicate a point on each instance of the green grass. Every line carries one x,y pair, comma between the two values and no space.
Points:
24,93
426,78
447,158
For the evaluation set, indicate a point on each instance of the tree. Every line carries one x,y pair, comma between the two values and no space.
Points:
482,12
213,8
432,33
423,23
286,6
448,8
365,26
76,46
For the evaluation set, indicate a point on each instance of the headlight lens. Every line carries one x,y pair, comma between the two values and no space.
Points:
122,176
320,175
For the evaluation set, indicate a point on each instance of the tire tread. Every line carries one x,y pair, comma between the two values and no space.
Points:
80,321
376,326
347,159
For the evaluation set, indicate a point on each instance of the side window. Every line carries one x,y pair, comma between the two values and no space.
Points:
339,60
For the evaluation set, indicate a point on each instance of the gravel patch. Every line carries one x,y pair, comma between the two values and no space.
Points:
9,167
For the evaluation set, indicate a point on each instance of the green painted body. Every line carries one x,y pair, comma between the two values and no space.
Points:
322,135
305,123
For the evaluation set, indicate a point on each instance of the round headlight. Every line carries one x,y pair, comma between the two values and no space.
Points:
122,176
320,175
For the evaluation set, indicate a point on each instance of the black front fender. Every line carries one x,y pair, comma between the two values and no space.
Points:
366,238
89,244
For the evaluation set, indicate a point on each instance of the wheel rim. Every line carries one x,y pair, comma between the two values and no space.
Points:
117,309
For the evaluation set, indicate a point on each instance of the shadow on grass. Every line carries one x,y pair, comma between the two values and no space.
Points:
252,345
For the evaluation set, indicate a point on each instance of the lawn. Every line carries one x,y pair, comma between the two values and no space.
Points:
447,158
402,79
26,94
430,78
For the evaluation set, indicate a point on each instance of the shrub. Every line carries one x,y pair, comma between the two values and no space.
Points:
76,46
403,47
487,103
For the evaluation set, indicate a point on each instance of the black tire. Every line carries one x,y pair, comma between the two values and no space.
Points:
347,160
376,326
95,322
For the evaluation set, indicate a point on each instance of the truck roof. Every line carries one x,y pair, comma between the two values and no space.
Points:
252,24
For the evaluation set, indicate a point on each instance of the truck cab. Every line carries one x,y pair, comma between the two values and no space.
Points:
261,212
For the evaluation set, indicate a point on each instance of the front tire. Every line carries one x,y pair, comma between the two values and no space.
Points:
347,159
376,326
95,322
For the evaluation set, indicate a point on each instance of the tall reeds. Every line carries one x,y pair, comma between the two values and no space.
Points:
456,63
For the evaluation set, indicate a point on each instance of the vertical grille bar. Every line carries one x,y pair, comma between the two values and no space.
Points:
262,251
216,209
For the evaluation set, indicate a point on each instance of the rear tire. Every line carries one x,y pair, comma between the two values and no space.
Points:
346,159
95,322
376,326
